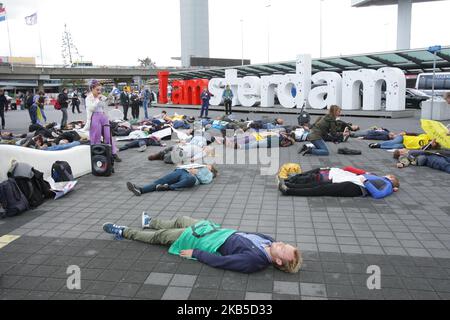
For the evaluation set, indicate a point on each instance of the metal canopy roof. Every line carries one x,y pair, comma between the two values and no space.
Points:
366,3
410,61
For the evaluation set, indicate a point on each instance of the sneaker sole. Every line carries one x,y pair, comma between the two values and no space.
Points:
144,226
132,189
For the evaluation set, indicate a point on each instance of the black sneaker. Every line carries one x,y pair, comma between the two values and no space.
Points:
162,187
137,192
374,146
308,151
116,158
303,149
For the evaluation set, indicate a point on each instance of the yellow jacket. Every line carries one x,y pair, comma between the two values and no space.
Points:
288,169
416,142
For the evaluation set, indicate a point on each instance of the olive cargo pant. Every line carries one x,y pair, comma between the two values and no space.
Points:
164,232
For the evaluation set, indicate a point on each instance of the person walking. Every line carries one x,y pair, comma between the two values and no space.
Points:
95,105
206,96
228,99
63,100
75,102
125,102
3,102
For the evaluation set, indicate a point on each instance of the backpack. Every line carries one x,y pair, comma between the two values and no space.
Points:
304,118
32,184
62,172
57,105
12,199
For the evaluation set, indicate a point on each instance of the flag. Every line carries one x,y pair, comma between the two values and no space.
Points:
2,13
31,20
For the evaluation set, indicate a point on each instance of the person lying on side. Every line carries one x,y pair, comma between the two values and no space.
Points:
179,179
434,160
352,183
209,243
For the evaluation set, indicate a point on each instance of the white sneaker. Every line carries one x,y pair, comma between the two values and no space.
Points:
142,148
146,220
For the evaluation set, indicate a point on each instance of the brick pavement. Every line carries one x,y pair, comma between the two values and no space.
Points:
406,235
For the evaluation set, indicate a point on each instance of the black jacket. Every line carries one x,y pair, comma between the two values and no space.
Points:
3,102
63,99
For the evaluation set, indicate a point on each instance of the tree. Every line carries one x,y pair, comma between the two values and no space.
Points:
147,63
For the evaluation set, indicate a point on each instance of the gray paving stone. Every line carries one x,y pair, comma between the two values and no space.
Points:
284,287
182,280
159,279
313,290
257,296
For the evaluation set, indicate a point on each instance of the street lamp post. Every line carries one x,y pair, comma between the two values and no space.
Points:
242,39
268,6
321,28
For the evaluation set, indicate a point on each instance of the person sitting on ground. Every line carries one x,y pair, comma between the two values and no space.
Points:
408,141
179,179
335,183
321,130
434,160
209,243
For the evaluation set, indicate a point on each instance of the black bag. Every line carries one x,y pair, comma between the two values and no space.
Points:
304,118
12,199
35,189
62,172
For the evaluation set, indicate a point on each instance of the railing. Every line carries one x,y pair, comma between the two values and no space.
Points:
38,66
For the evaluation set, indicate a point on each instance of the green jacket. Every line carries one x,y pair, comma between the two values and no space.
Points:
326,125
204,235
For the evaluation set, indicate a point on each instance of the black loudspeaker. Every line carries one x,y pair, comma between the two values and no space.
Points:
102,160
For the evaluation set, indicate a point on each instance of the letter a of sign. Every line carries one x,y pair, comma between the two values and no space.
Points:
74,280
374,281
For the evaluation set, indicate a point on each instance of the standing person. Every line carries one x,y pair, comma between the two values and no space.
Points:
83,98
63,100
134,100
75,102
146,100
3,103
206,96
228,99
29,104
325,127
41,105
125,101
169,93
95,105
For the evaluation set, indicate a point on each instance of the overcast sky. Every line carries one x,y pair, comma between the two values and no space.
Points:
113,32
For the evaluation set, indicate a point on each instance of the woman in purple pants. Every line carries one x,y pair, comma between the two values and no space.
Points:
98,122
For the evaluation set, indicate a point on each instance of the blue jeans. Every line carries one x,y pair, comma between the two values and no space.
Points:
33,114
145,104
320,149
178,179
205,109
396,143
63,146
